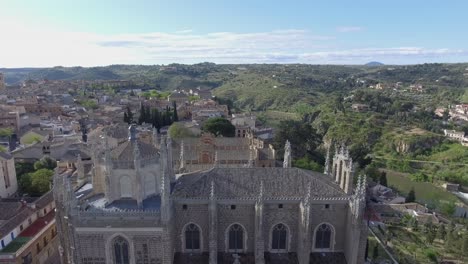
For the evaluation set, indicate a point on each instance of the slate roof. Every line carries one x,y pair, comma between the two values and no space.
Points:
125,151
244,183
5,155
117,131
18,216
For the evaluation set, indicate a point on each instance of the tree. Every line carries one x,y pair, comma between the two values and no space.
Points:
219,127
128,116
464,248
375,252
414,224
45,163
174,114
142,116
303,137
448,208
411,196
177,130
24,183
441,233
41,180
383,178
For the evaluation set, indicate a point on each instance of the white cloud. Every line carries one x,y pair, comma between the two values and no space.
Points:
34,47
345,29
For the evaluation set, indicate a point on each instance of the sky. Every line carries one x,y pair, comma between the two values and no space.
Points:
50,33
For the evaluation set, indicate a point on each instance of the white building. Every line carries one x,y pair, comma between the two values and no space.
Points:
8,183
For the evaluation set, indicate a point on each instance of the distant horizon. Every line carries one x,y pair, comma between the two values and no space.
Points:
191,64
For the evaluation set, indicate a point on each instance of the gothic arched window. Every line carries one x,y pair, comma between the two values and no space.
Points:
323,237
121,254
192,237
236,238
279,236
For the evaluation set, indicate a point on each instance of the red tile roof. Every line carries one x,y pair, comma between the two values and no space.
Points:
38,225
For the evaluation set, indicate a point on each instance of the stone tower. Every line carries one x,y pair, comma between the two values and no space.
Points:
2,81
343,169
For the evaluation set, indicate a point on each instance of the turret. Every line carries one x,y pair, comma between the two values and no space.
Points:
343,169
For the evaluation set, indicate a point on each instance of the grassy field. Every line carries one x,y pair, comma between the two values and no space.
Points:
272,117
425,191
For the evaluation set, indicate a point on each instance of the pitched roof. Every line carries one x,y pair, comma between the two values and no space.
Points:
244,183
125,151
5,155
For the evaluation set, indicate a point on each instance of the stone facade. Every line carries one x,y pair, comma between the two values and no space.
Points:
220,215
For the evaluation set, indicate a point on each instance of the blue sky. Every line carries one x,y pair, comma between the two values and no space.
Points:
91,33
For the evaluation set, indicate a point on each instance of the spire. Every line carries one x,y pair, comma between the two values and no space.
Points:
212,191
182,156
358,184
308,194
327,162
216,159
132,132
287,155
250,163
79,167
363,186
260,192
107,151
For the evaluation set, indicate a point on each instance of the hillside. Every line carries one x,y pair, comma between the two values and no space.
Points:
265,86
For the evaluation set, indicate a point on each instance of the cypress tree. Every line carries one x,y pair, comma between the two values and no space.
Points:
175,115
383,178
411,196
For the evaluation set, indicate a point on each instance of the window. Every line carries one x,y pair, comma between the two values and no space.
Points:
3,243
45,241
233,207
280,206
326,206
279,236
236,238
21,228
27,259
184,207
192,237
323,237
45,211
38,248
121,255
12,235
29,221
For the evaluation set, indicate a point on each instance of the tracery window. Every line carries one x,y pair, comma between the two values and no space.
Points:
121,254
279,236
192,237
236,238
323,237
